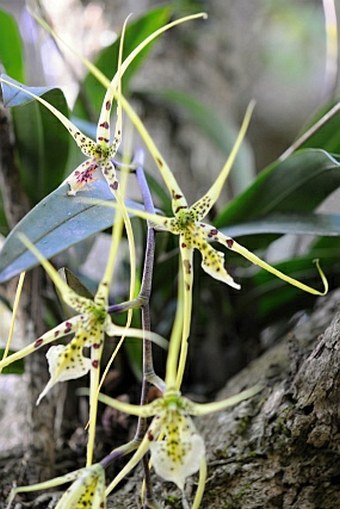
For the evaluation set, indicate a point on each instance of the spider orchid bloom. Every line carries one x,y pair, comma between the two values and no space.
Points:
187,223
177,449
86,492
89,327
99,153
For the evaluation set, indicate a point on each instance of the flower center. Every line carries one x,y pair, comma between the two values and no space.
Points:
185,218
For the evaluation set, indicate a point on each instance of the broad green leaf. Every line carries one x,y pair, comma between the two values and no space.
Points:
220,131
91,95
42,142
295,186
42,145
56,223
11,54
310,224
3,219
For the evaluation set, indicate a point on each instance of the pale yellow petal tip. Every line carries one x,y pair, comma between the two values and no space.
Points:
63,367
323,277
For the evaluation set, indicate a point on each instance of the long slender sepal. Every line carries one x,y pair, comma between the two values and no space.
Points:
57,332
70,297
14,314
201,484
216,406
187,282
96,355
234,246
86,145
137,410
142,449
204,204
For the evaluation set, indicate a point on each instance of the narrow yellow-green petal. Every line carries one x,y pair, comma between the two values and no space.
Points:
167,175
137,410
187,280
217,406
114,90
14,314
204,204
71,298
96,355
84,143
201,484
141,451
234,246
176,336
57,332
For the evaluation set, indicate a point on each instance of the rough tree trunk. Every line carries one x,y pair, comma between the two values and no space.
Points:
38,431
280,449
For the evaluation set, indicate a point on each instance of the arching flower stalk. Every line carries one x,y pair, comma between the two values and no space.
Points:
87,490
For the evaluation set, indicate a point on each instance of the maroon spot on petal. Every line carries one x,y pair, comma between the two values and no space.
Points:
56,334
114,186
187,266
213,232
180,208
230,243
183,244
38,342
104,124
95,364
108,105
150,436
159,162
187,286
68,327
96,345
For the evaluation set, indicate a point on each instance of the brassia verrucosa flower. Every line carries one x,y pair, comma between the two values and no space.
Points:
101,152
177,449
89,327
187,223
87,490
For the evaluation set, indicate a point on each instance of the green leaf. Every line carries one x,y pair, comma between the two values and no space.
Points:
295,186
42,144
91,95
310,224
56,223
11,54
220,131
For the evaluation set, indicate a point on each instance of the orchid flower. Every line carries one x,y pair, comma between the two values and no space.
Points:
177,449
100,153
89,327
86,492
187,223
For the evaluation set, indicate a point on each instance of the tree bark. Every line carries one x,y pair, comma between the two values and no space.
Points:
281,448
39,459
